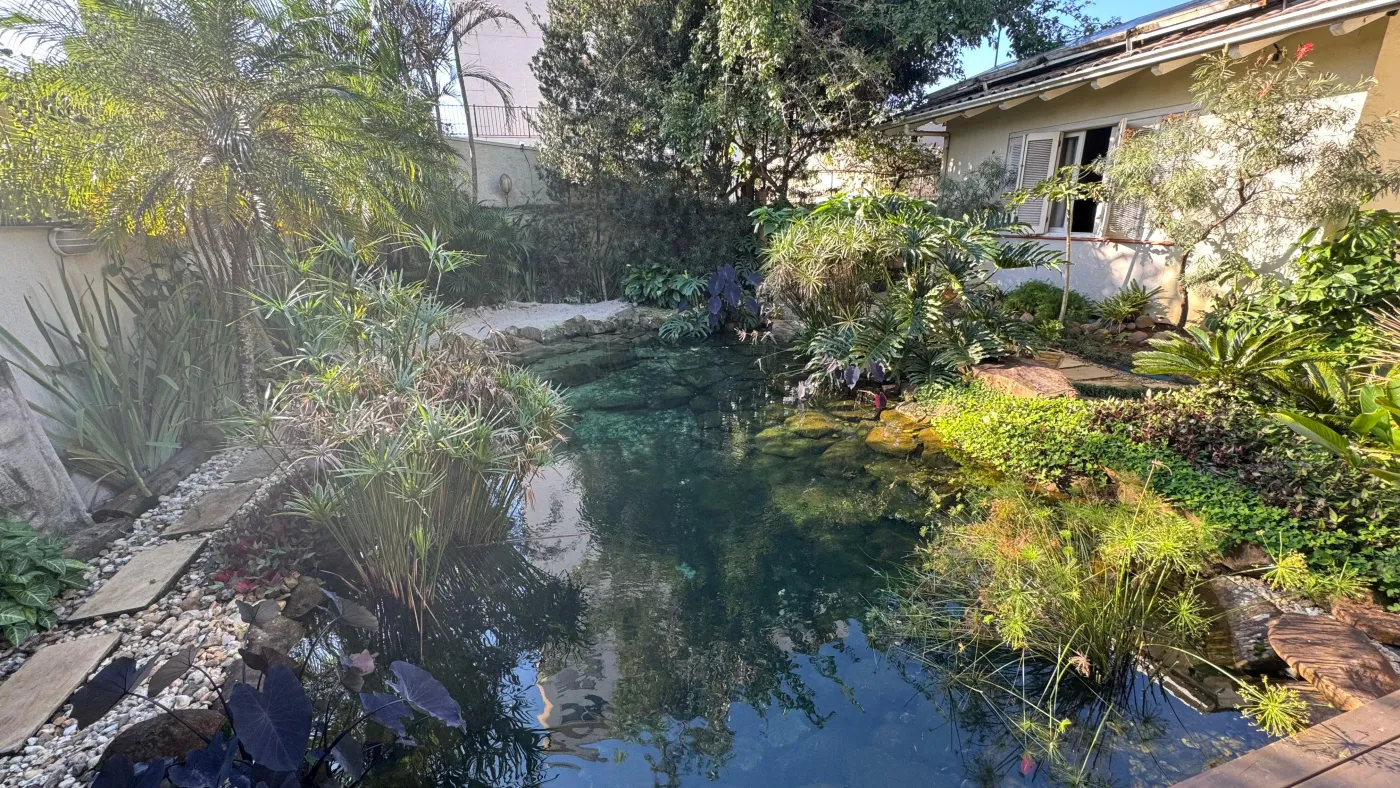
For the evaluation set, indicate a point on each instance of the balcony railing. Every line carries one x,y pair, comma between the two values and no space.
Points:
491,121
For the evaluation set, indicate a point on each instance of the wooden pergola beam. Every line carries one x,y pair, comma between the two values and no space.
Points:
1244,48
1103,82
1166,67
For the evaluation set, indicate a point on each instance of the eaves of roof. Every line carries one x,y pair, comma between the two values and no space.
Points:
1121,57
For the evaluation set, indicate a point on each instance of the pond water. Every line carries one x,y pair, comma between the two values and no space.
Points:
683,609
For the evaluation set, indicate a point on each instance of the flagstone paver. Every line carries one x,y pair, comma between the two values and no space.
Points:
43,683
212,510
259,463
142,581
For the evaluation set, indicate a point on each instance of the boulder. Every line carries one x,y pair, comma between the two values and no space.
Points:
1245,558
812,424
888,440
304,599
34,486
899,420
532,333
1380,624
783,331
1139,337
280,634
781,443
165,736
843,458
1336,658
931,440
1242,640
1025,379
1145,323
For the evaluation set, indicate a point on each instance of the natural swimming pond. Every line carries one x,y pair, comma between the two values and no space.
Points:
687,604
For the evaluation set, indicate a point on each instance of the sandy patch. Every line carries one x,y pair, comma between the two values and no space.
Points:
481,322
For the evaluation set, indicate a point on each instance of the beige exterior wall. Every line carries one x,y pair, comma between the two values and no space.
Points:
1102,267
495,159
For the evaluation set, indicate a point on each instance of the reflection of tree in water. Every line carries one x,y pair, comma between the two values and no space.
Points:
700,592
493,610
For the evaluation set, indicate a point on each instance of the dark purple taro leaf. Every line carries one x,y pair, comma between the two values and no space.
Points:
152,773
751,304
877,372
254,660
260,614
716,304
851,376
357,616
174,668
98,696
207,767
349,753
274,725
684,305
426,694
753,278
388,711
117,772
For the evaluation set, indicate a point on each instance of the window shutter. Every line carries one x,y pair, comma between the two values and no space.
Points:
1037,165
1127,220
1013,163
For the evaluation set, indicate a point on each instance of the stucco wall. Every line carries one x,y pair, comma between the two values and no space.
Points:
495,159
27,267
1102,267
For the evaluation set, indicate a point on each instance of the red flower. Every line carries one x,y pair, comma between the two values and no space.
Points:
1303,51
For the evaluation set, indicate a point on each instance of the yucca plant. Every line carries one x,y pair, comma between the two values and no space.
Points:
1260,360
137,362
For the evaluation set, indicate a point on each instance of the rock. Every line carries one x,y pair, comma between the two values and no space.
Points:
671,397
1336,658
34,486
1374,621
1102,333
782,443
850,410
931,440
1242,640
812,424
281,633
887,440
899,420
192,600
1139,337
1245,558
1025,379
164,736
1027,317
532,333
306,597
843,458
1145,323
783,331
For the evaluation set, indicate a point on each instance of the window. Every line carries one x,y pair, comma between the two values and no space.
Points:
1034,157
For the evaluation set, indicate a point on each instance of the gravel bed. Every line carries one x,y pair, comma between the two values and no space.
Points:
191,614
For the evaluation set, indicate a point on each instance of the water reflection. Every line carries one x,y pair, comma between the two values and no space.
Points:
681,609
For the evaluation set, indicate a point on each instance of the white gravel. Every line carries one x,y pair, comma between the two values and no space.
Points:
479,323
191,614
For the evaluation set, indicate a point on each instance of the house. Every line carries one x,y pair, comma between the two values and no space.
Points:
1072,105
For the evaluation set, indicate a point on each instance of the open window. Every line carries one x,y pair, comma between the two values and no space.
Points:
1035,157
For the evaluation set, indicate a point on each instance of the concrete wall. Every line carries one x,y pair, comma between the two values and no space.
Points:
506,51
495,159
1101,266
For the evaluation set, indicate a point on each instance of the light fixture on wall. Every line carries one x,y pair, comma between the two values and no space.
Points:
506,185
70,241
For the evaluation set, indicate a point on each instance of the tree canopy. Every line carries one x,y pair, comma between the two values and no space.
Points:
733,97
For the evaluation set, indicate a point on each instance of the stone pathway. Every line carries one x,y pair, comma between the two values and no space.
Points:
1087,373
142,581
35,692
213,510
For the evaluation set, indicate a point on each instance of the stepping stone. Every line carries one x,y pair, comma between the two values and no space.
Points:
43,684
1380,624
259,463
142,581
1336,658
1025,379
212,510
1087,372
1242,642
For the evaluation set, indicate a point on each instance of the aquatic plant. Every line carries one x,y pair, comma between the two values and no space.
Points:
421,438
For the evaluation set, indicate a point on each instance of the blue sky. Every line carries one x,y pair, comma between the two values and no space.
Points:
975,61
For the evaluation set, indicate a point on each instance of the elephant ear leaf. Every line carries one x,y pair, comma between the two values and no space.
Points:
207,767
349,754
117,772
274,725
387,710
426,694
357,616
98,696
174,668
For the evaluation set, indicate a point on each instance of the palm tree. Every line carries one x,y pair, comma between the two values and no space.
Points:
215,123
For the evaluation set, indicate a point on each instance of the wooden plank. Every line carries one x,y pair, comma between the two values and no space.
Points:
1169,66
1244,48
43,684
212,509
1103,82
1379,768
142,581
1313,752
161,481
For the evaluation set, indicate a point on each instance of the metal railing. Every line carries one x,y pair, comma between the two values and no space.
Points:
490,121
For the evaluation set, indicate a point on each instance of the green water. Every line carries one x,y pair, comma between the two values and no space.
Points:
684,609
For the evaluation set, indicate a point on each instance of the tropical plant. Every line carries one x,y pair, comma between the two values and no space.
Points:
981,191
657,285
1335,284
1129,303
1042,301
1371,441
1268,151
1062,190
424,437
33,572
134,364
1253,359
276,735
289,128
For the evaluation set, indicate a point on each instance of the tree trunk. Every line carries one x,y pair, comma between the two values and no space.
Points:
1185,292
245,321
1069,248
466,110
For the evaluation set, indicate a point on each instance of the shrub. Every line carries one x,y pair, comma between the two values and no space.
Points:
1129,304
1042,301
1052,441
657,285
34,573
1254,359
